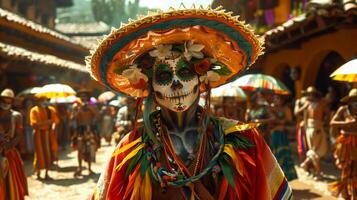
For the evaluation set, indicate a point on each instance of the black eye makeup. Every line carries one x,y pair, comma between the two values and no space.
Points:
184,71
163,74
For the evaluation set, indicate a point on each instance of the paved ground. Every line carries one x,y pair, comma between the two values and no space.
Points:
66,186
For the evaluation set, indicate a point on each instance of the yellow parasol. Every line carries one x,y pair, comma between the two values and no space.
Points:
347,72
55,91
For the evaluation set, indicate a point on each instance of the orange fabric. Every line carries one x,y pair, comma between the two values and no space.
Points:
263,177
45,138
16,182
2,190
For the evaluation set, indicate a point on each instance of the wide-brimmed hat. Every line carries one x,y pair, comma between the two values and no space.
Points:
226,40
7,93
311,90
352,95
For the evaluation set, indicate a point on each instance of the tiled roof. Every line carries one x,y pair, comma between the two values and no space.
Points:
83,28
17,53
306,24
14,18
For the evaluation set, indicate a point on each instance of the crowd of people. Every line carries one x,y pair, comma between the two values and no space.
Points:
39,129
42,129
320,132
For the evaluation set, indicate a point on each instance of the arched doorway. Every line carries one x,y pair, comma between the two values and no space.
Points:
323,81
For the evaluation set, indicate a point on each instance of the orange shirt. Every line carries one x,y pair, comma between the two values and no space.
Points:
39,114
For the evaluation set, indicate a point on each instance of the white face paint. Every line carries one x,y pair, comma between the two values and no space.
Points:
175,84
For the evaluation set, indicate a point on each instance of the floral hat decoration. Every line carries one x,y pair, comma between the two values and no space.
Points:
217,44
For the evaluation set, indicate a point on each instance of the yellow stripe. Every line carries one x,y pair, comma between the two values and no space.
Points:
276,177
228,149
136,191
146,190
241,127
130,155
126,147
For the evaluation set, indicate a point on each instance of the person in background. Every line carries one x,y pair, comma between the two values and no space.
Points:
232,109
86,117
44,119
125,118
107,123
279,137
315,113
260,112
300,127
14,182
28,130
63,126
218,111
345,120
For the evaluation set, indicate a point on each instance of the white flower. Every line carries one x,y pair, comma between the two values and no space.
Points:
161,51
210,77
193,50
134,74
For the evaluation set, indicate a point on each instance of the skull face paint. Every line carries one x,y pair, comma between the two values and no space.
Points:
175,84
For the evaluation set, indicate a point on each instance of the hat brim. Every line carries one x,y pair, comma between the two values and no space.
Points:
347,99
225,38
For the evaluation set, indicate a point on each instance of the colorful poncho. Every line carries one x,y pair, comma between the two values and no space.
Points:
244,169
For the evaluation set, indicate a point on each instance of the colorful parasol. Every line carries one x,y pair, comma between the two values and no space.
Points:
106,96
55,91
58,100
253,82
228,90
347,72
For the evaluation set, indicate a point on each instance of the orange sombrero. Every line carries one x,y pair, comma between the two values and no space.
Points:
225,38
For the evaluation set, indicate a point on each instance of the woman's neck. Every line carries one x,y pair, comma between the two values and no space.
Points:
179,120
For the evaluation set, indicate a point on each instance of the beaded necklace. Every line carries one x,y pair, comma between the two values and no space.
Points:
180,176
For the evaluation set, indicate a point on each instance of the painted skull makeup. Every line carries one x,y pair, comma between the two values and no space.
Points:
175,84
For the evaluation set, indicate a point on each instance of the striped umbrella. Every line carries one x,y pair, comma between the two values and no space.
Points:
347,72
228,90
69,99
254,82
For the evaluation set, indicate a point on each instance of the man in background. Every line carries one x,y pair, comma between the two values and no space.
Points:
43,119
13,183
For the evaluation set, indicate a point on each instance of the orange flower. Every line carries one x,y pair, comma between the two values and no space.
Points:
202,67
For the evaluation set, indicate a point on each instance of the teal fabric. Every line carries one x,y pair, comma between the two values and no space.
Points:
229,31
281,150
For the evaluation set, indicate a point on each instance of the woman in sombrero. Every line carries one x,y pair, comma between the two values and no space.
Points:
346,147
182,152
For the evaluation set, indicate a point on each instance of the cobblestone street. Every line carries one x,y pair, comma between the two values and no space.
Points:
64,185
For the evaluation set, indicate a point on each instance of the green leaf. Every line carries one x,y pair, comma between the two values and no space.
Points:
179,48
120,70
239,141
222,70
144,165
133,163
226,169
